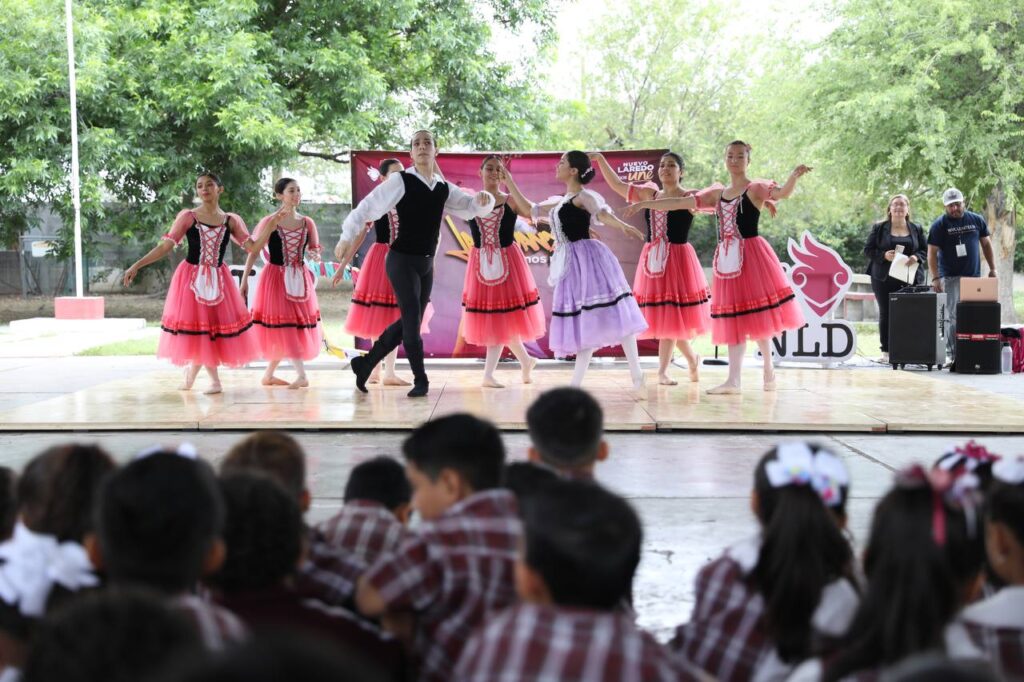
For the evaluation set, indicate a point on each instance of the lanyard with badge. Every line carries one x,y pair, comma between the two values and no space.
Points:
961,248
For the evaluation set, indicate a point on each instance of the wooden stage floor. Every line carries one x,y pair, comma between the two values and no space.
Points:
808,400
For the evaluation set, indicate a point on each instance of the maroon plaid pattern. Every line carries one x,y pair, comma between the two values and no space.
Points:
364,529
452,575
533,643
996,627
329,574
217,627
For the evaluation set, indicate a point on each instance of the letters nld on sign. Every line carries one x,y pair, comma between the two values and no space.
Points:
820,280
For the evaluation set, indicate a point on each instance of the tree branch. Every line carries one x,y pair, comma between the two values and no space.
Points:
337,157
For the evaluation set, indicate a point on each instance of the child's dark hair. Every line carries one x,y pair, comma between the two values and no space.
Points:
385,166
262,532
8,502
969,458
919,565
467,444
581,162
566,425
803,549
381,479
58,488
1005,503
282,184
677,158
526,478
274,453
583,541
157,518
116,636
213,176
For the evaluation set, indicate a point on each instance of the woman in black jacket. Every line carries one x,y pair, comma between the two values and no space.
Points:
880,248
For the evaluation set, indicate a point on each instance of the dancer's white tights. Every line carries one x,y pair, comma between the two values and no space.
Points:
632,357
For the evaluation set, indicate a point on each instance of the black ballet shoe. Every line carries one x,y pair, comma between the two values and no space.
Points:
358,365
419,390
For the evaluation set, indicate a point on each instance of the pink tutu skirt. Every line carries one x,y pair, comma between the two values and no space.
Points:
284,328
675,301
758,304
495,314
374,306
209,335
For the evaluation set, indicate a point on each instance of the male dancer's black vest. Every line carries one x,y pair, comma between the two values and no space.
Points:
419,216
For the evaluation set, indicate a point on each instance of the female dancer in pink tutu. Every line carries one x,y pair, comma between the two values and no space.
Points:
500,302
374,306
285,314
669,286
750,295
205,322
593,305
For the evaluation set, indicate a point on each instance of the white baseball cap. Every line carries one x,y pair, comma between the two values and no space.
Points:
952,196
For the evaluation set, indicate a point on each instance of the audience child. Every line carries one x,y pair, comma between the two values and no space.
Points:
159,525
996,625
524,478
459,567
116,636
371,523
8,502
566,427
580,551
783,596
264,538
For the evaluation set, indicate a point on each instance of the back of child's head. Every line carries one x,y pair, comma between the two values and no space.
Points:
566,426
8,502
924,553
463,443
382,480
801,491
969,458
584,541
114,636
157,519
263,532
276,454
1005,507
525,478
277,657
57,490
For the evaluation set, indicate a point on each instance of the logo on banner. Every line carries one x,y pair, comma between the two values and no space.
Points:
635,171
820,279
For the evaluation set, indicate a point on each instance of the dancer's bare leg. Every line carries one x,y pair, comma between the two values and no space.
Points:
580,368
692,359
191,372
665,348
765,346
491,364
526,361
215,386
635,371
390,378
732,384
268,377
300,369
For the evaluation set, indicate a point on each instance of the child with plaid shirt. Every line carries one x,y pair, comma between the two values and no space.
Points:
458,569
580,551
566,427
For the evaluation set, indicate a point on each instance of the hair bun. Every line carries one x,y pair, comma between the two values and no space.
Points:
587,175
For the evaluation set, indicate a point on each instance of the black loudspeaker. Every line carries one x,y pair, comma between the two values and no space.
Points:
978,340
916,329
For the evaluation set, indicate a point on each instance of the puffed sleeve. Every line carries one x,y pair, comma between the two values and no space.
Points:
640,192
464,205
762,189
237,227
707,198
593,203
184,220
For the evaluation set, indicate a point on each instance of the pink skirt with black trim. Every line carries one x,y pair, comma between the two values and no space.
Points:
503,312
675,303
374,306
284,328
208,335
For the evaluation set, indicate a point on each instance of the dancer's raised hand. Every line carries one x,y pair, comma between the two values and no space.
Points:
801,170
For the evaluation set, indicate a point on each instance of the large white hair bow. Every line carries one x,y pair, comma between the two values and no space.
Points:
1009,470
796,464
34,563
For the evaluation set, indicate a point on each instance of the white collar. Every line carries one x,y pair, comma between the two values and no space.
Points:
1004,609
432,183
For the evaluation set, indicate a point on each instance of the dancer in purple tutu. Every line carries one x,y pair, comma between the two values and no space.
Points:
593,304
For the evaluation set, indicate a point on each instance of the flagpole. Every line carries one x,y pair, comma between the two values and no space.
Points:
75,189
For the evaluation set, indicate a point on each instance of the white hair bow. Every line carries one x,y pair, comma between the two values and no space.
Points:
1009,470
186,450
796,464
34,563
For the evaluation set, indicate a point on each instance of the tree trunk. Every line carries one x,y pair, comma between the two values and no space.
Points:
1002,226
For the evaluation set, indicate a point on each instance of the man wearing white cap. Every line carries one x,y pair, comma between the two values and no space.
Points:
955,242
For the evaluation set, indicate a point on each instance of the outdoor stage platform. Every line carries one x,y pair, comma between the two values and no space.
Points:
810,400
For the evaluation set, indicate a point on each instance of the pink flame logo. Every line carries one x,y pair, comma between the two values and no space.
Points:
818,274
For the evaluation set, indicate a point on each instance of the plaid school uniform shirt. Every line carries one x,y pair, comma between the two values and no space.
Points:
726,636
365,529
456,571
996,626
535,643
217,626
329,574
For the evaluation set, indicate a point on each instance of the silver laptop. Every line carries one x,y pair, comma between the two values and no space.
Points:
979,288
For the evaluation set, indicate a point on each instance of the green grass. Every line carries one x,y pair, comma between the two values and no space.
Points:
129,347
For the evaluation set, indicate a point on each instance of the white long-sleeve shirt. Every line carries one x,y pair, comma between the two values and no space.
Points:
387,195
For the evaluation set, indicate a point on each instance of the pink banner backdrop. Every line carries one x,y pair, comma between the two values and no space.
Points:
535,175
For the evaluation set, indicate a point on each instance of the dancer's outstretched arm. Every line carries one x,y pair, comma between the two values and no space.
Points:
595,205
783,192
610,176
668,204
182,222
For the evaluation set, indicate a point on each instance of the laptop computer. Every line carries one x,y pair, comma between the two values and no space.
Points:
979,288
